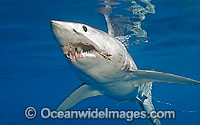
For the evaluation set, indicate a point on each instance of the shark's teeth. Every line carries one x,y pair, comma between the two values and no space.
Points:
90,55
79,50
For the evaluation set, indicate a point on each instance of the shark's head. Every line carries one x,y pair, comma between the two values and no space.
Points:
76,46
89,48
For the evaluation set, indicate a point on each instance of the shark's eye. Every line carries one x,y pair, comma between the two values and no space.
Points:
85,28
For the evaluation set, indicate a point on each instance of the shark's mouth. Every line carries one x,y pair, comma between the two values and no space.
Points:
79,50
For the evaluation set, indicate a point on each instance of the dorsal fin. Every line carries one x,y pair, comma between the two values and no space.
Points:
106,11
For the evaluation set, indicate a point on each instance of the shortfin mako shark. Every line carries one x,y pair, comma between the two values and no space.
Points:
106,68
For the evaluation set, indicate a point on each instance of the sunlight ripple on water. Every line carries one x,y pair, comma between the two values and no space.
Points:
129,27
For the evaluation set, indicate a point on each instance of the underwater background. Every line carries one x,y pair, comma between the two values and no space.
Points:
34,71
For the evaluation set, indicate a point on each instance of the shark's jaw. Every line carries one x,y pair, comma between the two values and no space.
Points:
79,50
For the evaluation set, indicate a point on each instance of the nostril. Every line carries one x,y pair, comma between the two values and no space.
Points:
74,30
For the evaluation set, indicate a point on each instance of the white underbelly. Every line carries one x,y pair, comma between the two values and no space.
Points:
122,91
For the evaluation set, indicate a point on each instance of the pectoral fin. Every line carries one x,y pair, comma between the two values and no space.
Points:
81,93
145,76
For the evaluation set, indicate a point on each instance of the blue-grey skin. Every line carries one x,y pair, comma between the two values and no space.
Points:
106,68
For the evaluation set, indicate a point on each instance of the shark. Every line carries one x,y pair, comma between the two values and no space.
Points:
105,67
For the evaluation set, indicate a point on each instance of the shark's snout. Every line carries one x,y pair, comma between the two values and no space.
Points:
55,22
63,32
64,24
59,27
52,21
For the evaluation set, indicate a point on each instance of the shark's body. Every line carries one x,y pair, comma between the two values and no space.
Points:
106,68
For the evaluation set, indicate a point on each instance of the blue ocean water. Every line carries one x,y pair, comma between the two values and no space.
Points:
34,72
